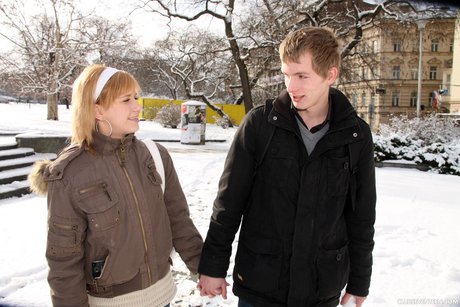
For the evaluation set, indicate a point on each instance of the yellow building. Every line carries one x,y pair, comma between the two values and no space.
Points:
383,81
150,107
451,78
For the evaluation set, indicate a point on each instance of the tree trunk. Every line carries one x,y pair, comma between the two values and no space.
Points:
241,65
247,95
51,101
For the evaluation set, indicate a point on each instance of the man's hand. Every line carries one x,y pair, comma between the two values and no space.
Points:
359,300
212,286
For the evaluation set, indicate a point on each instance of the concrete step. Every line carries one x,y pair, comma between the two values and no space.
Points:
17,174
15,165
8,146
16,153
25,161
14,189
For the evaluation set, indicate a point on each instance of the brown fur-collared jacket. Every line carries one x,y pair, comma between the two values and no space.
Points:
106,206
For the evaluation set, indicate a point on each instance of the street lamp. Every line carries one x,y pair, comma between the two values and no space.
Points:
421,25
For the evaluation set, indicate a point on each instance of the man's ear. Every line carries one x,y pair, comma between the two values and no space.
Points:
332,75
99,112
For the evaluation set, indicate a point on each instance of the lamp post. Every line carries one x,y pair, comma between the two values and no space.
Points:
421,25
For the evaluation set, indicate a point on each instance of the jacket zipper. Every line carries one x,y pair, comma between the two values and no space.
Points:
101,186
121,159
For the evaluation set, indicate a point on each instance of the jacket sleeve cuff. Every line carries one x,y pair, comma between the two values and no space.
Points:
357,291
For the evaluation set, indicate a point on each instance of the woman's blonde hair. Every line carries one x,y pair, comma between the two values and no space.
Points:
320,42
84,117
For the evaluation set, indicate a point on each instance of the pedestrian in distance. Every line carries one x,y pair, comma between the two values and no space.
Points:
299,179
115,213
65,101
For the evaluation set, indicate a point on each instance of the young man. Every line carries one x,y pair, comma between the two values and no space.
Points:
300,175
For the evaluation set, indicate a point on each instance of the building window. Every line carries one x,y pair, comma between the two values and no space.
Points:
446,85
433,72
434,45
373,73
351,75
395,99
431,99
414,73
396,72
364,73
354,99
397,46
363,99
413,99
374,47
448,79
372,104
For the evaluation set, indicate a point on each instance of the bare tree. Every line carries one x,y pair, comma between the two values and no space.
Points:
109,42
255,28
39,54
261,27
194,65
220,10
50,48
159,62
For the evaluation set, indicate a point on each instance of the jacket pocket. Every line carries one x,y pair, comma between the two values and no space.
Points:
100,203
258,265
278,164
64,237
332,268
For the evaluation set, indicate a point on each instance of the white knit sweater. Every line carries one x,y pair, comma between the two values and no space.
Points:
157,295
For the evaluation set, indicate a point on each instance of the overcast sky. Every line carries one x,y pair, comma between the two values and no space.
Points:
147,26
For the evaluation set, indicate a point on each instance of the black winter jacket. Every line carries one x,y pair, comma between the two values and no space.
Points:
307,220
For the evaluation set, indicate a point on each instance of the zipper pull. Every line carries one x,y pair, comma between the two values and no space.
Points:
104,187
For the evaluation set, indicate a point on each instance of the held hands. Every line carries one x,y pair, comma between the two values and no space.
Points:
212,286
349,300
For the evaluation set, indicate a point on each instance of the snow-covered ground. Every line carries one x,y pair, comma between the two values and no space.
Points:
417,230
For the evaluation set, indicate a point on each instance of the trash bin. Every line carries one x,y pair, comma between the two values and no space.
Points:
193,122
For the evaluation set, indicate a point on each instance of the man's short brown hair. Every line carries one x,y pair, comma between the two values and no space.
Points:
320,42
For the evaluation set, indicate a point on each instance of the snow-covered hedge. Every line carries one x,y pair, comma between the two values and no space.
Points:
431,140
223,122
169,115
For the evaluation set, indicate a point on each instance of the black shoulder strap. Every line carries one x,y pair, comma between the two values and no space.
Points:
264,134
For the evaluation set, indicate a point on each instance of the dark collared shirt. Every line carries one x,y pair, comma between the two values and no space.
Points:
317,127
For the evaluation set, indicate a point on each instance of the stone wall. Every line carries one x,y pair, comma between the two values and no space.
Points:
43,143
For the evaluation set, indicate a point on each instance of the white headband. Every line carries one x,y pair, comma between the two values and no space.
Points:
103,78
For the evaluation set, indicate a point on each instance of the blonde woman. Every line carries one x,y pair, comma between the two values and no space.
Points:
111,226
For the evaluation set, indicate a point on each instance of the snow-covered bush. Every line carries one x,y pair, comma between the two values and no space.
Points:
431,140
223,122
169,116
445,158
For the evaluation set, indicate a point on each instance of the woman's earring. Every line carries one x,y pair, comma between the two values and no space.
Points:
108,123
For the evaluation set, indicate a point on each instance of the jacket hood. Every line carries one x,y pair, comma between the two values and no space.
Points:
36,177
